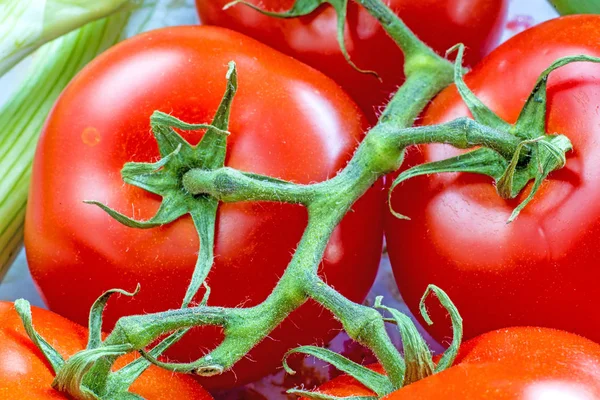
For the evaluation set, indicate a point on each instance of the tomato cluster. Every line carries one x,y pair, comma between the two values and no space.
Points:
302,123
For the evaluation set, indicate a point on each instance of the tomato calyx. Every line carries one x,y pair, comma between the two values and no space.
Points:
417,363
531,155
165,178
71,376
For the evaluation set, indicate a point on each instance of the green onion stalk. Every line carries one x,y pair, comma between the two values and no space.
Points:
51,69
565,7
194,180
28,24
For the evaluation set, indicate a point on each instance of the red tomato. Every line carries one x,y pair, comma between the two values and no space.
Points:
288,121
542,269
312,39
26,374
509,364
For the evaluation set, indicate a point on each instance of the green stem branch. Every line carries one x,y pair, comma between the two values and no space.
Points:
416,53
462,133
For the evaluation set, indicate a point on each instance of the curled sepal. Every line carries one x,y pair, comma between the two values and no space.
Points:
457,325
306,7
23,309
323,396
378,383
551,156
96,311
170,209
480,111
417,356
73,377
532,119
481,161
506,184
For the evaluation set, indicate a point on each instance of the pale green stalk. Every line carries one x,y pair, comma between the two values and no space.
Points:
25,25
53,66
565,7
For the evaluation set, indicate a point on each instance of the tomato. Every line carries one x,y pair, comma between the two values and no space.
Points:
312,39
288,121
541,269
509,364
26,374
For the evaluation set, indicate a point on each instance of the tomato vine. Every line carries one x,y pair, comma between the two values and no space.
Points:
193,180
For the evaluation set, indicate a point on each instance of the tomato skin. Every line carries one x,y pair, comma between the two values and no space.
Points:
508,364
541,269
312,39
287,121
26,374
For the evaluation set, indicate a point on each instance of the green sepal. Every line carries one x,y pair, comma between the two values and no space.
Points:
120,381
481,113
23,309
551,156
73,377
96,311
417,355
210,152
532,119
457,325
378,383
301,8
322,396
149,176
506,185
482,161
170,209
204,217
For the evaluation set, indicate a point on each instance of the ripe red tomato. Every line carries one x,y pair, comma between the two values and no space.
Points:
288,121
509,364
312,39
542,269
26,374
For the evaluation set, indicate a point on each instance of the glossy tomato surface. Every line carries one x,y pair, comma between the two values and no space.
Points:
508,364
542,269
312,39
288,121
26,374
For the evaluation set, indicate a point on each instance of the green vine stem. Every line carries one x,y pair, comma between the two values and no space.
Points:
193,180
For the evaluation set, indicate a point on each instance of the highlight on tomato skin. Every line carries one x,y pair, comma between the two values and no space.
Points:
312,39
288,121
26,374
509,364
540,269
